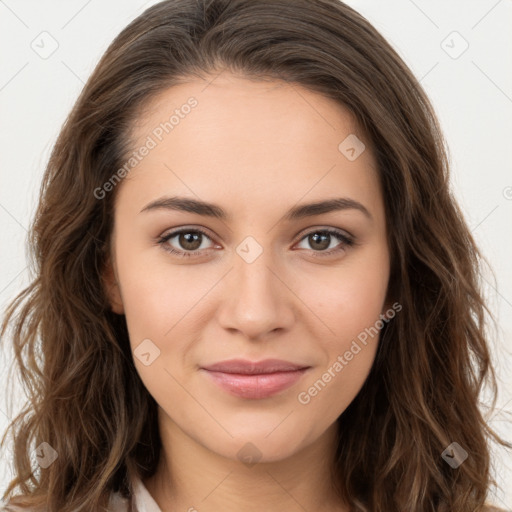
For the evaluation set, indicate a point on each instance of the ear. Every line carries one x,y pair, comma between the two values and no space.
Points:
111,287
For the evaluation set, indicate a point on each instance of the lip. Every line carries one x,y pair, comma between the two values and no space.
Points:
255,379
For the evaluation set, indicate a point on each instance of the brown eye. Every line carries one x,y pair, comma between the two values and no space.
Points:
189,241
320,240
186,242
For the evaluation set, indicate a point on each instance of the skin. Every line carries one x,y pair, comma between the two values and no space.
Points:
256,149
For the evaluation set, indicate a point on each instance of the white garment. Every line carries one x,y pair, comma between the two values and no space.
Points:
143,501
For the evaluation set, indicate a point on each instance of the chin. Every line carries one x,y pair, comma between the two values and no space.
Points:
260,446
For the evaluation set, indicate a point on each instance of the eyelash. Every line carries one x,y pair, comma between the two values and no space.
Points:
345,240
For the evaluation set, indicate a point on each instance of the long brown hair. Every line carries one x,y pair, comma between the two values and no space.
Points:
72,352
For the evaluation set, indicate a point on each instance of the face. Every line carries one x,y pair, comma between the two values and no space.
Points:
255,277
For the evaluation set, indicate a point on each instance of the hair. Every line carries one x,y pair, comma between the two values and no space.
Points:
72,353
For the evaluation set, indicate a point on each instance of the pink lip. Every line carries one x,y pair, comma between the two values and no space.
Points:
255,380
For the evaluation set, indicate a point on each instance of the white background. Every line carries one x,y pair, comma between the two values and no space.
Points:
472,95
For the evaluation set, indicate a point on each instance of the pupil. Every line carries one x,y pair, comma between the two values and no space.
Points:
323,243
189,241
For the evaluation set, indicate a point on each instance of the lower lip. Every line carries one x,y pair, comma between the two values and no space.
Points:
256,386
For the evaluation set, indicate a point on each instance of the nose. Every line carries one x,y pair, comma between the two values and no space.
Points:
258,298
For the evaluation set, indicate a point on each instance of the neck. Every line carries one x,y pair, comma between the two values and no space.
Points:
192,478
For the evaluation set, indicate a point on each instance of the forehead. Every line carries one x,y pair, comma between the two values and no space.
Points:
231,138
269,112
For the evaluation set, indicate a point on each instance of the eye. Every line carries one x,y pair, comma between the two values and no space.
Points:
321,239
190,242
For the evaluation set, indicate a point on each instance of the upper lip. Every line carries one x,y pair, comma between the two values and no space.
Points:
242,366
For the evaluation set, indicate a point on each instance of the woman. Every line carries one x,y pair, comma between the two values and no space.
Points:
254,289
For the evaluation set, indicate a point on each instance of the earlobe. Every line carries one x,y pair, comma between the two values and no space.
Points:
111,286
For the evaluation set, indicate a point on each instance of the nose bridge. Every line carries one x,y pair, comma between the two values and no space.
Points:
253,267
257,301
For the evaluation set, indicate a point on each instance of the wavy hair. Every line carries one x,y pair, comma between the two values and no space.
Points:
72,353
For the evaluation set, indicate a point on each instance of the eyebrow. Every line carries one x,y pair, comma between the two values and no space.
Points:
206,209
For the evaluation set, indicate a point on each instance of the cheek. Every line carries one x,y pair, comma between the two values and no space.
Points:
331,389
350,304
354,316
164,304
157,295
349,299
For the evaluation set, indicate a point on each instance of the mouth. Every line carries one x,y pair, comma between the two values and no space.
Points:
255,380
